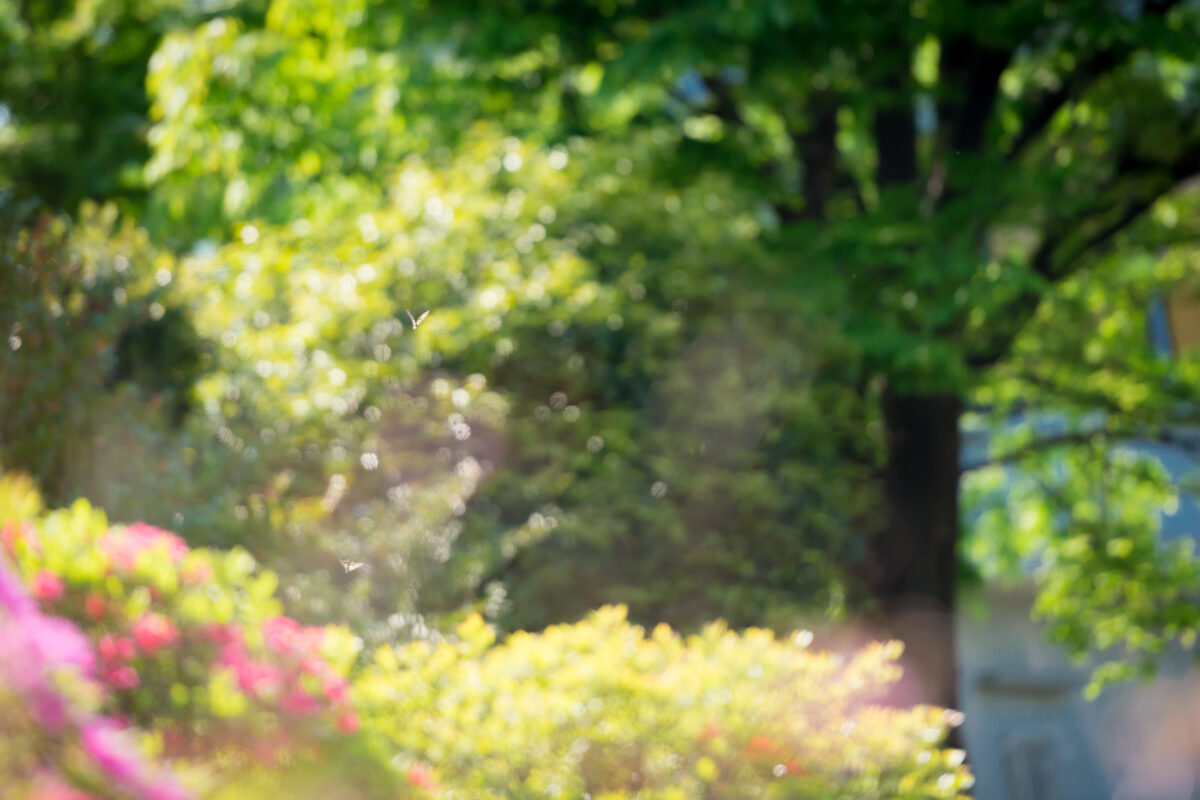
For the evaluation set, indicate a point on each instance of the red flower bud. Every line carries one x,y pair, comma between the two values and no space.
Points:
348,722
47,586
93,605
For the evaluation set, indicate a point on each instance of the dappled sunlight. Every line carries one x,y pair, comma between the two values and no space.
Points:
600,400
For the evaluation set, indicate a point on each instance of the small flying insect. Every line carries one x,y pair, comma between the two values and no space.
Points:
350,566
418,320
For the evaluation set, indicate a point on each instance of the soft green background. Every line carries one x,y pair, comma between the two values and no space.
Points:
661,316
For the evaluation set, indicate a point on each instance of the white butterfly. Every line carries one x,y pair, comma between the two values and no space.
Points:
350,566
418,320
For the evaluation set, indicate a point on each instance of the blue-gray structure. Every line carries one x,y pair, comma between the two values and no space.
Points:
1031,734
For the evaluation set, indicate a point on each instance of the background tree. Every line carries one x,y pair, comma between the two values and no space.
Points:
766,252
73,102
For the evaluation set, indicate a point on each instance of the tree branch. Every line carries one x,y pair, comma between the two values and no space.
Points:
896,143
1045,261
1181,171
970,77
725,106
1037,446
1144,433
1088,72
1188,166
894,128
817,150
1049,104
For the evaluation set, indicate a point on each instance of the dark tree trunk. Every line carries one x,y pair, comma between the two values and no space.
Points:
913,564
818,152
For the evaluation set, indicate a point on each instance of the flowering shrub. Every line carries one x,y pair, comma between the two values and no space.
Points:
189,648
48,705
189,645
600,709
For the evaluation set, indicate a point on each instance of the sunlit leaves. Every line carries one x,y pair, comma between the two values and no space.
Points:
609,709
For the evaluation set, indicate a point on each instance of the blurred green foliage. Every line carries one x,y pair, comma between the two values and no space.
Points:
673,254
1088,510
595,344
604,709
89,331
73,101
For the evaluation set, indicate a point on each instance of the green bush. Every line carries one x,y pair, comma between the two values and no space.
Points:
92,343
602,709
192,652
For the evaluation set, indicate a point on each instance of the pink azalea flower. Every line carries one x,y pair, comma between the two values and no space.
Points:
285,635
217,633
348,722
421,777
151,536
111,751
153,632
165,789
13,597
220,634
232,654
35,647
47,586
56,641
9,534
115,648
281,633
32,647
335,688
122,677
257,677
47,706
299,702
124,545
93,606
314,666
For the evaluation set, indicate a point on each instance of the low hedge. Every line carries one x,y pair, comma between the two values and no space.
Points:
137,667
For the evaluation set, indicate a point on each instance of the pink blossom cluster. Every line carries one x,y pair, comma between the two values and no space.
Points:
41,659
150,634
282,670
295,676
124,545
